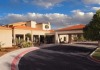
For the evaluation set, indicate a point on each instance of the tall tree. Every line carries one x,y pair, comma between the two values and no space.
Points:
92,30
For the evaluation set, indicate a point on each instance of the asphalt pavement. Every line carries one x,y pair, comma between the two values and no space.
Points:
59,57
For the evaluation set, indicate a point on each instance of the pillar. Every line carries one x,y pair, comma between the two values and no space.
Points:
56,38
24,37
70,38
14,39
31,36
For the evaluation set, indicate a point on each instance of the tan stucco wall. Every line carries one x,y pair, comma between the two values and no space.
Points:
39,32
21,31
40,26
45,28
33,32
6,37
31,24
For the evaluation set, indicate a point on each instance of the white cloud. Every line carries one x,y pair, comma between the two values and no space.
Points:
78,12
44,3
56,19
96,8
81,17
92,1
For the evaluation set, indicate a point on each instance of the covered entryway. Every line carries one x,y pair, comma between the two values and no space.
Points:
35,38
69,34
19,36
42,39
50,39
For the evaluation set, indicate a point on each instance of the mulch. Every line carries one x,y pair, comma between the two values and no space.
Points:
7,50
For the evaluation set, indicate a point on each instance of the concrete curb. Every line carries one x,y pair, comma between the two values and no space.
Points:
92,58
14,64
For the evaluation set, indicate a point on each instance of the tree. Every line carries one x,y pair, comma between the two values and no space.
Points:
92,30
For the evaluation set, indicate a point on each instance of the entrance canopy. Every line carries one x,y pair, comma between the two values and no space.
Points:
69,32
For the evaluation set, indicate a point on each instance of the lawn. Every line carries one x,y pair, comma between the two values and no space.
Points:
96,54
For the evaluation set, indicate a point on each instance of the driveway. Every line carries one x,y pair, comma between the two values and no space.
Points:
60,57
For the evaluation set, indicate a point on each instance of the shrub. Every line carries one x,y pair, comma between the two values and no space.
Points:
26,44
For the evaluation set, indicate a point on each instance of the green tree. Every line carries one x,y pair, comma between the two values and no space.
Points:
92,30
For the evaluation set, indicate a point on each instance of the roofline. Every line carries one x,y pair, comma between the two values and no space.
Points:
6,28
70,26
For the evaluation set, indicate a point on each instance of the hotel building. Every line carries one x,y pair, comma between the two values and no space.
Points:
39,32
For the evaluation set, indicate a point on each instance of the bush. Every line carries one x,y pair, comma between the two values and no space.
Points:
26,44
23,44
18,42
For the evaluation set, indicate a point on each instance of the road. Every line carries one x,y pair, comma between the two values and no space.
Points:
60,57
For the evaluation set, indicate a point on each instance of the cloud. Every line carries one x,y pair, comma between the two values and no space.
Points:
44,3
81,17
92,1
96,8
57,20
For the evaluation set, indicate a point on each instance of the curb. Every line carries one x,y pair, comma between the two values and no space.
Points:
92,58
14,64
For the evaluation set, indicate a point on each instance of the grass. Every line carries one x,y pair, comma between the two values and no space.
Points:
96,54
97,50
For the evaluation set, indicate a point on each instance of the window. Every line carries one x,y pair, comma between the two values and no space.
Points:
46,26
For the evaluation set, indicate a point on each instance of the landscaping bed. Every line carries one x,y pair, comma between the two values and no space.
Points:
6,50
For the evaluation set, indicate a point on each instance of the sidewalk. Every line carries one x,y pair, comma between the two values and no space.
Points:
7,59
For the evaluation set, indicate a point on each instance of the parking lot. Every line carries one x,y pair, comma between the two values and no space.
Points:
59,57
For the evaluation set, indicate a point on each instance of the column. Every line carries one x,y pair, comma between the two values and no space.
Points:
24,37
56,38
14,39
39,38
70,38
31,36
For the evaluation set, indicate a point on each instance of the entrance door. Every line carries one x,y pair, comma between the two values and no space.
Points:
49,39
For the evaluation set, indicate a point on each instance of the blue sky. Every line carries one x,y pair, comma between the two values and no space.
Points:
59,12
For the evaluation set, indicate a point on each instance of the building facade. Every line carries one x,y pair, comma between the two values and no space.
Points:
5,37
39,32
69,34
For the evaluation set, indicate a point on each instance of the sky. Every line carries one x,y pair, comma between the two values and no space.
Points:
59,13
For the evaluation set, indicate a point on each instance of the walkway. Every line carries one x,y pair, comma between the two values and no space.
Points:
6,60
